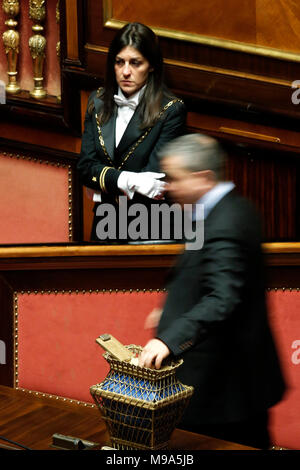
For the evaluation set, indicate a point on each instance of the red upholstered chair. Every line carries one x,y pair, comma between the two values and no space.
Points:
34,200
57,352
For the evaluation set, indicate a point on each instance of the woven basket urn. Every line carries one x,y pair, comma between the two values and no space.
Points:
141,406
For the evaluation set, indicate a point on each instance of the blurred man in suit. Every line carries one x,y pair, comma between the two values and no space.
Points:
215,314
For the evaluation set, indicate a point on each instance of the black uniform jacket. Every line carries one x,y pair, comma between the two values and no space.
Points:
215,318
101,163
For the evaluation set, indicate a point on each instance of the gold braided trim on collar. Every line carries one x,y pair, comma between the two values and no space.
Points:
101,140
138,142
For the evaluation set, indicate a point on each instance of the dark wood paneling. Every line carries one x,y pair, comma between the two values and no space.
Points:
237,78
253,81
264,163
263,23
269,179
31,420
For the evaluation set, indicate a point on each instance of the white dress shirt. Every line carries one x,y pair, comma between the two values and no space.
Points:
125,113
210,199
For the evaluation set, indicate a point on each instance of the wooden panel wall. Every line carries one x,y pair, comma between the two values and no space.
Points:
256,22
238,71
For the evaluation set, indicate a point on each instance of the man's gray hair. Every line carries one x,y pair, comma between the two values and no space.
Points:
198,152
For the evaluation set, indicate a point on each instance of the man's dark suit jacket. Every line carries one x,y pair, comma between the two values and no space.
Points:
215,318
101,163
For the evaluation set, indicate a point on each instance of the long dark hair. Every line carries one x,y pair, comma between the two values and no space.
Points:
144,40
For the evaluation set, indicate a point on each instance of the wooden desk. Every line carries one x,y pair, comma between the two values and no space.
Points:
32,420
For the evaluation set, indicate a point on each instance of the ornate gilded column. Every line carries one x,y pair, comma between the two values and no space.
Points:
11,43
37,46
58,43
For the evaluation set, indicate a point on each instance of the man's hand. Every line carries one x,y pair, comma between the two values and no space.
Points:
153,354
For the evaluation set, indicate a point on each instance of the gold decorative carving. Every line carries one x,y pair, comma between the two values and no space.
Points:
37,46
11,42
11,7
58,43
58,49
57,11
37,10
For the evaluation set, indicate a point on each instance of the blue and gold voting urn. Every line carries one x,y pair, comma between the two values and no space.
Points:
141,406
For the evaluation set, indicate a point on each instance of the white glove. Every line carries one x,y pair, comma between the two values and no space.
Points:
148,184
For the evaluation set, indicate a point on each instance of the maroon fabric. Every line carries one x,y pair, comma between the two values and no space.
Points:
34,202
57,332
284,308
58,353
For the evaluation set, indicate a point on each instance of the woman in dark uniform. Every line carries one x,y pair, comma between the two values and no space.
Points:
126,124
